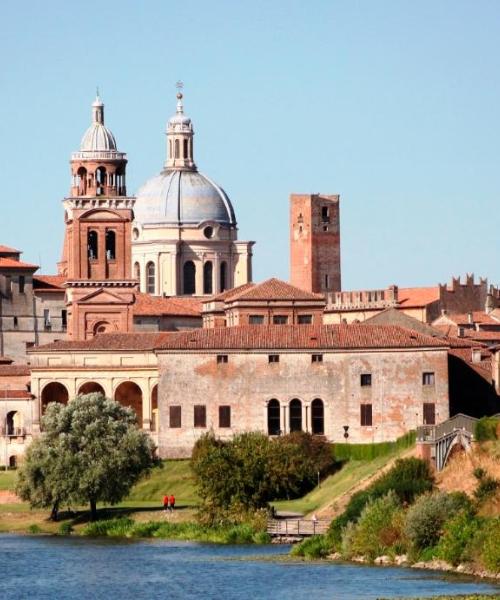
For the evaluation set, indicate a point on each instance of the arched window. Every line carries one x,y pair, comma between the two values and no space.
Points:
82,181
176,148
13,462
110,244
102,327
92,245
100,181
54,392
207,277
295,414
189,273
150,278
13,423
91,387
223,276
185,148
129,394
137,271
317,417
273,417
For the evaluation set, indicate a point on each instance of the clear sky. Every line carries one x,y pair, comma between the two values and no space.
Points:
395,105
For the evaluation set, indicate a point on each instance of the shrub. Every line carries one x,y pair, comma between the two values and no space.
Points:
490,552
377,530
479,473
34,529
455,545
65,528
343,452
112,527
425,519
317,546
486,488
486,429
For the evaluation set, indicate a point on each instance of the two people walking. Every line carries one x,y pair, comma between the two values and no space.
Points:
169,502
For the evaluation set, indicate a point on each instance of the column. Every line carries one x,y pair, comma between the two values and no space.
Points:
145,386
216,274
199,275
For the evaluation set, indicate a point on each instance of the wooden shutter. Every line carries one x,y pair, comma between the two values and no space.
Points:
200,415
366,415
224,416
175,416
429,413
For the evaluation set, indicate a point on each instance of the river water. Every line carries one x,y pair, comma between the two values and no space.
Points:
59,568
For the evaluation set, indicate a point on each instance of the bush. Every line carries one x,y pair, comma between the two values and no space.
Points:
34,529
425,519
317,546
343,452
378,529
486,429
113,527
490,552
455,545
486,488
65,528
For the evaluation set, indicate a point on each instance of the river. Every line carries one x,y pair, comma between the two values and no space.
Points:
62,568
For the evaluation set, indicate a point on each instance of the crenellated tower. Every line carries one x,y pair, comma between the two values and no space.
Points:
97,247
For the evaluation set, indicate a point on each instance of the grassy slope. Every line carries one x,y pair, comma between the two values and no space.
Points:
7,480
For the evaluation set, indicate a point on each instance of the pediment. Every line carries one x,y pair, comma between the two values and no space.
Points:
101,215
102,296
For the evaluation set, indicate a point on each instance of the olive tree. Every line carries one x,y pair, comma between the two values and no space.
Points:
91,450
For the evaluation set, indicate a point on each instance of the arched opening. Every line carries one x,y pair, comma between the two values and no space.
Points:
185,148
273,417
154,409
317,417
223,276
91,387
295,414
82,181
170,148
100,181
110,244
137,271
103,327
189,277
207,277
121,188
54,392
130,394
92,245
150,278
13,462
13,423
176,148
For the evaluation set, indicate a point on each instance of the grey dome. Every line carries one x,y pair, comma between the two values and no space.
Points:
182,197
97,138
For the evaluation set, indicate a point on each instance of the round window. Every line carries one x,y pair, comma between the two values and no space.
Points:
209,232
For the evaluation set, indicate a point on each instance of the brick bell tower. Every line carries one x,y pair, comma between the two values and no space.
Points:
96,257
315,242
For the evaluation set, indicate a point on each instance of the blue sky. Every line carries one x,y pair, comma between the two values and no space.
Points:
395,105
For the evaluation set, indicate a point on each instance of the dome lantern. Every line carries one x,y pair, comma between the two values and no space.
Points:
180,138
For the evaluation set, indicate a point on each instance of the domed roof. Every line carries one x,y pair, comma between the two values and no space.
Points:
98,138
182,197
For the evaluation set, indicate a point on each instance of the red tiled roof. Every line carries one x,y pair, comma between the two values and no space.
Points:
8,250
11,263
291,337
108,342
13,370
15,394
271,289
49,283
146,305
478,316
418,296
228,294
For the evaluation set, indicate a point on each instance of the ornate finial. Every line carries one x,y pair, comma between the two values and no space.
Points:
97,91
179,85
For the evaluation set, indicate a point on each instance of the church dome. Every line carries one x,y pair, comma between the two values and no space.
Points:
184,197
98,138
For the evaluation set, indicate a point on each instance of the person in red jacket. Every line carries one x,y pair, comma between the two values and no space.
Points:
171,502
165,502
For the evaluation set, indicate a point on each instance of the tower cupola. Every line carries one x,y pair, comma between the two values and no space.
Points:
180,139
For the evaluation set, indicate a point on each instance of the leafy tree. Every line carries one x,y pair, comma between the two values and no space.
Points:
90,451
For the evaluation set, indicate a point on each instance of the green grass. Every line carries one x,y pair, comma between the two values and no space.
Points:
7,480
335,485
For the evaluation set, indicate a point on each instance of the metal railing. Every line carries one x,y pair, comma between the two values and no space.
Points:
431,433
296,527
14,431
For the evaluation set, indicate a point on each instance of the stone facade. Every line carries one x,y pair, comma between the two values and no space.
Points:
315,242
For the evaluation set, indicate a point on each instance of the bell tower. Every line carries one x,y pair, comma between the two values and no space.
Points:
96,257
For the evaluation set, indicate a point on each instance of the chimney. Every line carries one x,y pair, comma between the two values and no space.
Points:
470,318
476,355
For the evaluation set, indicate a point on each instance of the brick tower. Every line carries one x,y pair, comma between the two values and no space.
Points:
96,257
315,242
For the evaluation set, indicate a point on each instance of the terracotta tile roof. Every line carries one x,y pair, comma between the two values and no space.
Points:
11,263
418,296
478,316
108,342
271,289
451,332
15,394
282,337
8,250
14,370
228,294
146,305
49,283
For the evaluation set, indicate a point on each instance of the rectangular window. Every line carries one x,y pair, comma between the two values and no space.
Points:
366,379
46,318
325,214
222,359
273,358
280,319
256,319
317,358
429,413
366,415
304,319
224,416
64,319
175,416
16,323
427,378
21,284
200,415
327,282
